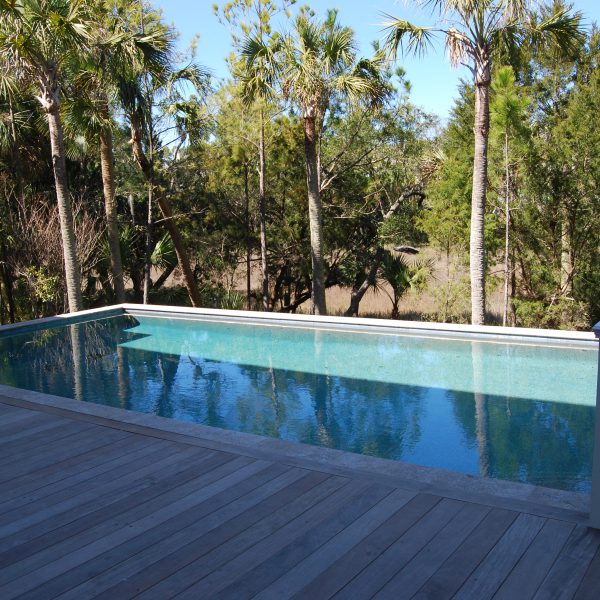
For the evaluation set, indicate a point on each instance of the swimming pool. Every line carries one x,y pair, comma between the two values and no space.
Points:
516,411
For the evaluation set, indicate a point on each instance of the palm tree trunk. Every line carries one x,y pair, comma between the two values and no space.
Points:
110,207
57,145
167,213
477,248
314,216
148,244
263,212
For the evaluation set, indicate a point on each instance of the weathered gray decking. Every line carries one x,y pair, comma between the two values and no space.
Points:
90,509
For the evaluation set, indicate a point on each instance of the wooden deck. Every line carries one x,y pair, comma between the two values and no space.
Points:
90,510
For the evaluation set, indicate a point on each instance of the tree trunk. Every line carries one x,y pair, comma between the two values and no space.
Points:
110,207
477,248
248,242
566,254
263,213
506,231
7,279
72,270
314,216
167,213
357,295
148,244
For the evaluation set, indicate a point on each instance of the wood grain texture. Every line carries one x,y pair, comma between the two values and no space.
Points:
91,509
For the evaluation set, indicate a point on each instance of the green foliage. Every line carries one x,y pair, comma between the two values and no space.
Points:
389,173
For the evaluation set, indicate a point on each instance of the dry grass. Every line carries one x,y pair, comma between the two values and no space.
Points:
424,305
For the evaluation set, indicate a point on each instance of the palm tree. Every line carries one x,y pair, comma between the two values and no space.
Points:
114,53
401,277
476,32
257,76
39,37
319,64
257,72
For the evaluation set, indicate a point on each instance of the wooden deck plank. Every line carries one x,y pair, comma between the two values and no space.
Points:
292,538
199,517
589,588
425,563
493,570
48,577
107,458
77,567
83,540
68,500
89,508
295,578
23,422
116,441
143,486
45,497
42,441
23,463
151,472
448,579
345,568
351,522
12,435
207,550
272,534
369,581
530,571
567,572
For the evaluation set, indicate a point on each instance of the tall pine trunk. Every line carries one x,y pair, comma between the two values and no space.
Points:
263,213
110,207
314,215
477,247
248,240
566,253
50,102
506,232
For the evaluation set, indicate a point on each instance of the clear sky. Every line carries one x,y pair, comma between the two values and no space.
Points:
434,81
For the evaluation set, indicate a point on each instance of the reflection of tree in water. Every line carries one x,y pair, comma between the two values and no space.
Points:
544,443
168,365
367,417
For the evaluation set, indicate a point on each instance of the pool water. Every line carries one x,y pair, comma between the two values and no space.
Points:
509,411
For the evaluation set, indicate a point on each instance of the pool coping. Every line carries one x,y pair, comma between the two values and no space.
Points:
524,497
390,326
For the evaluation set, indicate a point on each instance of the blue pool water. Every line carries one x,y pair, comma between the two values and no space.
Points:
509,411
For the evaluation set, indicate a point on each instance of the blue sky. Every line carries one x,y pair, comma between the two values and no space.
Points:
434,82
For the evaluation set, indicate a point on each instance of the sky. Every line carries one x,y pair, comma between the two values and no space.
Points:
434,82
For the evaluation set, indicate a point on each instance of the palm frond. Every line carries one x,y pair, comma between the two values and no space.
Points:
409,38
562,32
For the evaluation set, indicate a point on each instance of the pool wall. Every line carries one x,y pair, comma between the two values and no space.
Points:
413,328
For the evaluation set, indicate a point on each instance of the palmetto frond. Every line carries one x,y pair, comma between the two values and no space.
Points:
260,68
407,37
320,62
42,34
561,31
458,47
